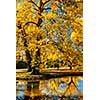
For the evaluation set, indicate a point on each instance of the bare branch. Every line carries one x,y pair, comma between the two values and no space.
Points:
34,3
29,23
46,2
35,9
46,8
41,3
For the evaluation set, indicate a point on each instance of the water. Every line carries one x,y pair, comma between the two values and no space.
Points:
64,88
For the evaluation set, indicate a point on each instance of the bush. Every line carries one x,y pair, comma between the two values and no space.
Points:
21,65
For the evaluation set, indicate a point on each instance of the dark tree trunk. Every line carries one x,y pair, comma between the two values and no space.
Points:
35,70
70,67
28,56
70,64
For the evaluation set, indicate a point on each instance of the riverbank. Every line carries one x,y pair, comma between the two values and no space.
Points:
45,75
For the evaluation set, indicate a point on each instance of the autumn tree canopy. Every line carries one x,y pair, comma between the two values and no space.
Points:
49,30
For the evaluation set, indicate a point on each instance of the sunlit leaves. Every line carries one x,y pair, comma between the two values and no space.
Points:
77,37
48,30
17,55
77,34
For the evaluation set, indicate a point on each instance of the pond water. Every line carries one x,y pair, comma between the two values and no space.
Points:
63,88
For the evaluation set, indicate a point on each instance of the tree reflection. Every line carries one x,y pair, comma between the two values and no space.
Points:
72,88
52,89
66,86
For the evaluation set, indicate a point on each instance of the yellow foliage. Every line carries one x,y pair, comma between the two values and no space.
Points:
17,55
77,37
49,15
35,34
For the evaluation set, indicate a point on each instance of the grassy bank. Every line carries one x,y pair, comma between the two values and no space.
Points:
45,75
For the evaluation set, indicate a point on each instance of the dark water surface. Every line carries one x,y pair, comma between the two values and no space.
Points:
64,88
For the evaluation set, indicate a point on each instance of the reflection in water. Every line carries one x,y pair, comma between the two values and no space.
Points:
64,88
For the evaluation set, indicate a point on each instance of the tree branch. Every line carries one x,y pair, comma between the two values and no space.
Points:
25,25
29,23
41,3
35,9
46,8
34,3
46,2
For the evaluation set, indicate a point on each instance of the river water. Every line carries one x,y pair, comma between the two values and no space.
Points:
63,88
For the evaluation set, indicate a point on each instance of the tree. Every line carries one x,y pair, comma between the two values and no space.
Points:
49,29
62,87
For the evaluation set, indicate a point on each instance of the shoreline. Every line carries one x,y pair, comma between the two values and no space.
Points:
47,75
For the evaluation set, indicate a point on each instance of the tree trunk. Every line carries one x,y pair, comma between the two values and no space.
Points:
35,70
28,60
28,56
